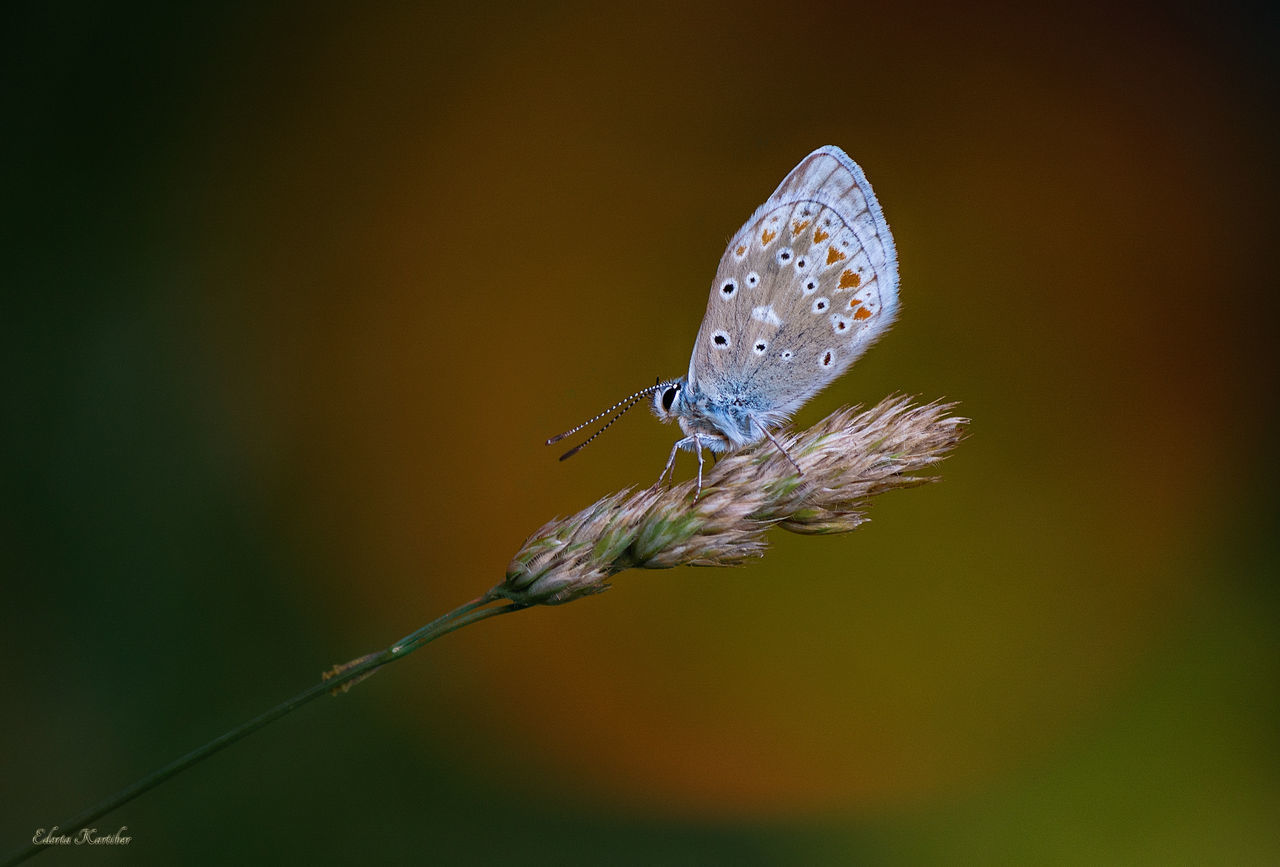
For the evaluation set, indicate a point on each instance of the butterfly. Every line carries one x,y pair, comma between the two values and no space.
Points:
804,287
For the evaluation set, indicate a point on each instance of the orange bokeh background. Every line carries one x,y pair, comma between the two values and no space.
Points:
371,259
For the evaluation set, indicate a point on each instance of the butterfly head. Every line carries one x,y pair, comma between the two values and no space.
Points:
668,399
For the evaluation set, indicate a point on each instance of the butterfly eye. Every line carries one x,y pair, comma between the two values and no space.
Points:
669,398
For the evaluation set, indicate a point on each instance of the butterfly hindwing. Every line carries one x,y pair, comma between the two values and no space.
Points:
805,286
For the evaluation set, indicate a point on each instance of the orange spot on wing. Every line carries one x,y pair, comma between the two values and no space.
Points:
797,227
834,256
741,251
819,235
849,280
862,313
855,302
766,236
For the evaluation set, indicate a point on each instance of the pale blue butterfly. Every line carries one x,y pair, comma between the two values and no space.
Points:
805,286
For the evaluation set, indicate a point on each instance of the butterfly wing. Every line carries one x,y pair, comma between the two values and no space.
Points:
805,286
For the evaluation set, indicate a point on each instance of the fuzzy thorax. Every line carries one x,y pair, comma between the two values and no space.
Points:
720,423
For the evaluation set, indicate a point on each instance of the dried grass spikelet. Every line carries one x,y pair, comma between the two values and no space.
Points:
847,458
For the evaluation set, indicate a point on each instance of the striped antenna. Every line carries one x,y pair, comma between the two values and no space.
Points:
626,403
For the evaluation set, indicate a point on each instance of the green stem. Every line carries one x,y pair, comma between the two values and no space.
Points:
341,676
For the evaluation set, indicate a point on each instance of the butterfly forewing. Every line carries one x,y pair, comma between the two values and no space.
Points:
805,286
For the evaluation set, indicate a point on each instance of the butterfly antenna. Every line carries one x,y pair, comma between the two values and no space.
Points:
625,403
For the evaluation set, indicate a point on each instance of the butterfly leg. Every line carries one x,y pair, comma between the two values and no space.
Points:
670,468
697,446
765,431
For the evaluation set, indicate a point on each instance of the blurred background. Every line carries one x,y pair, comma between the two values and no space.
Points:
295,292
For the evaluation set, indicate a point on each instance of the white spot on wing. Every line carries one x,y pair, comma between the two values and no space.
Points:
875,250
864,227
766,315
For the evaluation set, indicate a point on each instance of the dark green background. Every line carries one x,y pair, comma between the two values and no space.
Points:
293,293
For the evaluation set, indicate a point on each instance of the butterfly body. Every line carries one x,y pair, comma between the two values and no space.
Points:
804,287
721,421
